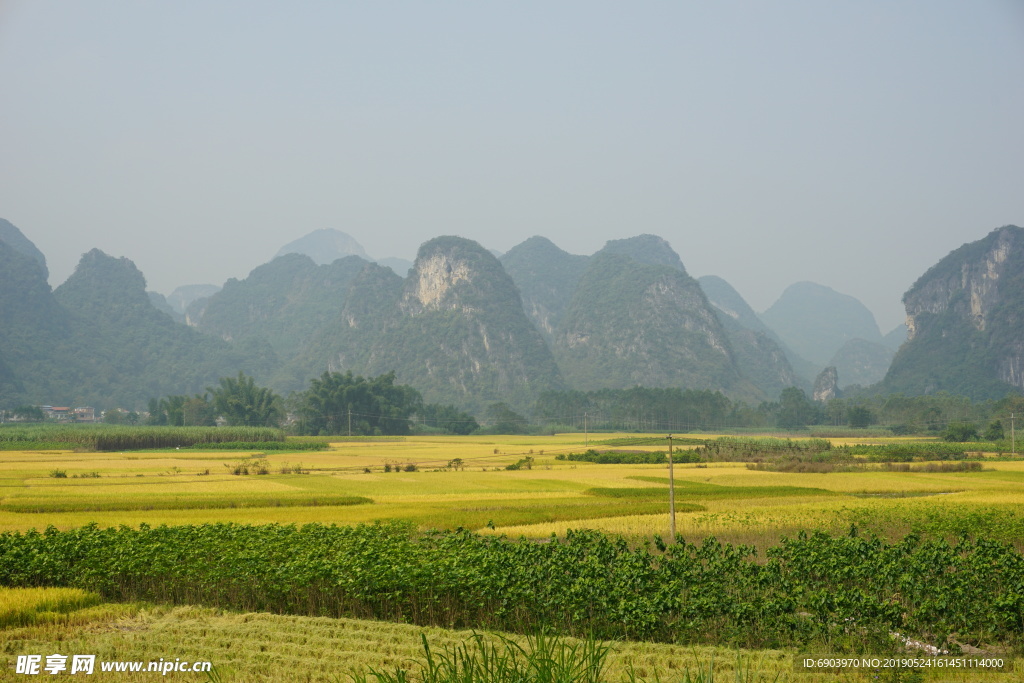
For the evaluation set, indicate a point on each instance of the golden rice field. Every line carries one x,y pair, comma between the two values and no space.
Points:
266,647
725,500
347,484
270,647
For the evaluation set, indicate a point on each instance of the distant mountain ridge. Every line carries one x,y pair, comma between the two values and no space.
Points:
454,328
324,246
895,338
34,328
467,328
816,321
327,245
607,333
728,301
647,249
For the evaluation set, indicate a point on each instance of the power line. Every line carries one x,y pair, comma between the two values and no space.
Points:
671,491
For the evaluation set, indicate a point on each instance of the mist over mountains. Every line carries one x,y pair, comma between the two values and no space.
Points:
468,328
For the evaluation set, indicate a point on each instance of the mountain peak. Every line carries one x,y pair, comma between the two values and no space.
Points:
648,249
325,246
454,272
16,239
100,280
815,320
455,330
546,277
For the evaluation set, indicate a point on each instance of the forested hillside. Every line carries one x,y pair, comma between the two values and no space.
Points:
283,303
459,334
965,319
546,277
632,323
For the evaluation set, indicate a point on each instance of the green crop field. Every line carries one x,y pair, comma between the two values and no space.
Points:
453,483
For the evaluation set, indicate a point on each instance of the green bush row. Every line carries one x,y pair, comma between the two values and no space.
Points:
847,593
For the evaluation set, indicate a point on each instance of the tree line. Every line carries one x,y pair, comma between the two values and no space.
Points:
334,404
647,409
347,404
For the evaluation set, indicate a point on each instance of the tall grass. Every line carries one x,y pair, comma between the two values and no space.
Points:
746,449
125,438
544,659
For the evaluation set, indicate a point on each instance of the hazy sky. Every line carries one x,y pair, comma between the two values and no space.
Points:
851,143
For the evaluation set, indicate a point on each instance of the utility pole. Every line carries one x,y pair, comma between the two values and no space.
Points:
350,419
586,434
1013,438
671,492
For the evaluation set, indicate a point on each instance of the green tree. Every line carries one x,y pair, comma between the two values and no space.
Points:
835,412
504,420
156,415
29,413
181,411
239,401
448,418
640,408
960,432
198,412
795,410
173,408
859,416
994,431
337,403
